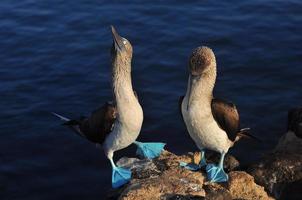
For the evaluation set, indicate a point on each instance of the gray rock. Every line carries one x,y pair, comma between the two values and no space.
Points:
163,179
140,168
294,123
281,170
289,143
292,191
277,169
214,193
184,197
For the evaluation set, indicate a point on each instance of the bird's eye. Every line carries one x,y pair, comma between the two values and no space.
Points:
124,41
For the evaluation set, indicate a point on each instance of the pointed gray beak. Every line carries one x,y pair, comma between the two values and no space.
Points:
118,40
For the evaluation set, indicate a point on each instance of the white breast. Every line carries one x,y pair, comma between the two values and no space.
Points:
203,128
127,126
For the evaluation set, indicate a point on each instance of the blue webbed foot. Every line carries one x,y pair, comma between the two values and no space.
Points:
193,166
120,176
216,174
149,150
190,166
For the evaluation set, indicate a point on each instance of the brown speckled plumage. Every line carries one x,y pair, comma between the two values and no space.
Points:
200,59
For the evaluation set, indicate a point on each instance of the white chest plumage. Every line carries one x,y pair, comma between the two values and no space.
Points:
198,107
202,126
129,120
126,128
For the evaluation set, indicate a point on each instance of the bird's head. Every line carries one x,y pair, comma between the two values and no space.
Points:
201,61
121,48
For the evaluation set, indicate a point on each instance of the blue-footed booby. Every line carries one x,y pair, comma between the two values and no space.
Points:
116,125
212,123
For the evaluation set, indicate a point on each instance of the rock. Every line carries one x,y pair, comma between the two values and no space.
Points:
184,197
292,190
278,174
294,121
164,179
242,186
216,192
277,169
281,170
140,168
171,180
289,143
230,162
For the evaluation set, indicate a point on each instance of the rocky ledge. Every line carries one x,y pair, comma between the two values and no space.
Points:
277,176
163,179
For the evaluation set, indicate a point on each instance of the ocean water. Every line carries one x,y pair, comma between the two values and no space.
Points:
55,56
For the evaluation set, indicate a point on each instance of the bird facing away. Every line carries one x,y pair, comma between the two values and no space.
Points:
117,125
212,123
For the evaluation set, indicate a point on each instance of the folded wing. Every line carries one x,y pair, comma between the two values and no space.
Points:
227,117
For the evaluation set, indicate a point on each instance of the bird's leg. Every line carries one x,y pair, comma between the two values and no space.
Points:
150,149
120,176
112,163
203,161
193,166
221,160
216,173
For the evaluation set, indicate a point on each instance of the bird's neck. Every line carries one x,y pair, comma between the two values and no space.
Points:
122,83
130,113
124,97
202,87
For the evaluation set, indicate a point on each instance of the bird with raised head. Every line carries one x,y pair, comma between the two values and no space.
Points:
117,125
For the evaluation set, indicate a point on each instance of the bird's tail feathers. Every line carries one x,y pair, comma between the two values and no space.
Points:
73,124
65,119
245,129
244,133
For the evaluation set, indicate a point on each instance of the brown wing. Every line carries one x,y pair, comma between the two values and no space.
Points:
99,124
227,117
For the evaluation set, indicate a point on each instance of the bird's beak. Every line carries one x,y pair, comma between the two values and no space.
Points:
118,40
189,92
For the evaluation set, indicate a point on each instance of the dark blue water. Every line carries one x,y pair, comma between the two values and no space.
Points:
55,56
